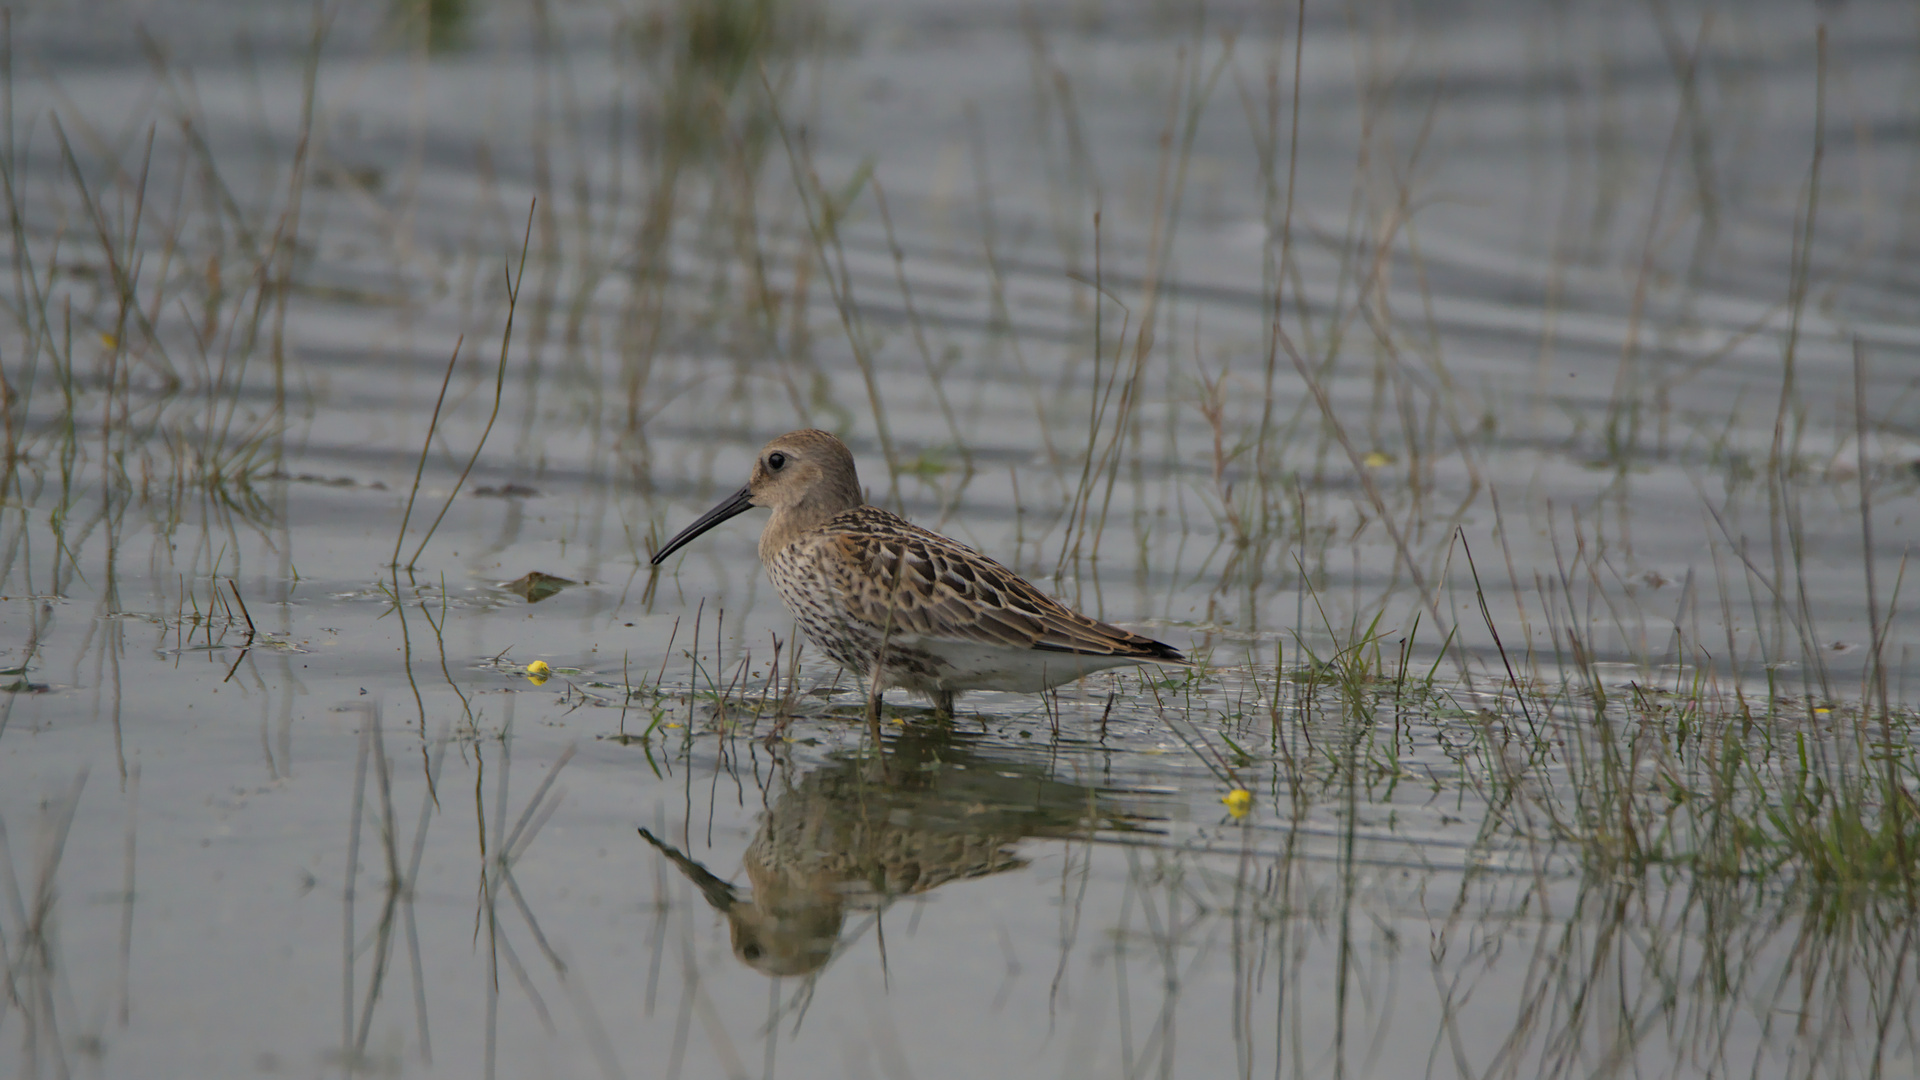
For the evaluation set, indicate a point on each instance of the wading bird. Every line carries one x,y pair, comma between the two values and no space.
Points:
858,578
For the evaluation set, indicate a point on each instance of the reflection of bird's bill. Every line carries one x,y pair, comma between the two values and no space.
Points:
735,504
773,934
719,892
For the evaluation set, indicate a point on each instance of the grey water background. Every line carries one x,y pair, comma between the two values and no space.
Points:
1550,268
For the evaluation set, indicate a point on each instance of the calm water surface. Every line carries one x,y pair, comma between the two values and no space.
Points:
1526,348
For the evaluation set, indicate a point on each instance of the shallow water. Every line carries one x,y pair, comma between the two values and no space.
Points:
1529,407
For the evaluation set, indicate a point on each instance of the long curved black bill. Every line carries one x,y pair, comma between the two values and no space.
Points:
737,503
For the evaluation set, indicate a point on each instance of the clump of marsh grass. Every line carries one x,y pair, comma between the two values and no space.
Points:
712,71
149,307
1691,776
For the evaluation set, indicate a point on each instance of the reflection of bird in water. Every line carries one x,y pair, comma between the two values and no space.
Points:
842,839
860,580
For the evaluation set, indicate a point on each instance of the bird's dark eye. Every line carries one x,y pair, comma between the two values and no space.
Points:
750,952
776,460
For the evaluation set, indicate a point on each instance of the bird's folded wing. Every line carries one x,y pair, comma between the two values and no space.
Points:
922,584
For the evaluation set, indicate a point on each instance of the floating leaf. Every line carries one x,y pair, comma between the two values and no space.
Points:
536,586
506,491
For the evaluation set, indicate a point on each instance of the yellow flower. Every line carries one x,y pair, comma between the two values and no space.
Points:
1375,460
1238,801
538,672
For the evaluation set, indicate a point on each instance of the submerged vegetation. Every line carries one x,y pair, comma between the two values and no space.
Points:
1521,438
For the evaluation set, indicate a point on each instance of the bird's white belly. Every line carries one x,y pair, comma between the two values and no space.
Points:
967,665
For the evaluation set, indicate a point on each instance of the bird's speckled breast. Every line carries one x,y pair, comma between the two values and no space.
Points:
814,586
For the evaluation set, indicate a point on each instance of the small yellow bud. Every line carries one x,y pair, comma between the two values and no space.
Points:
538,672
1238,801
